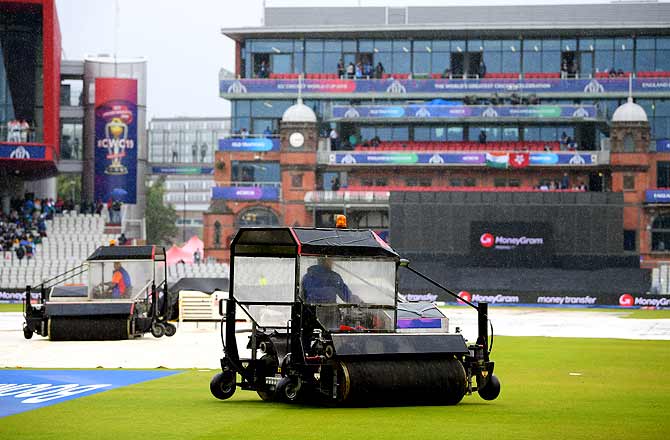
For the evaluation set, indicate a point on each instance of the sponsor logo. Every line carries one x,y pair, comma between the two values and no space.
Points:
396,87
594,87
435,158
348,159
237,87
422,113
490,113
44,392
580,113
19,152
626,300
487,240
464,295
352,113
588,300
495,299
577,159
650,302
429,297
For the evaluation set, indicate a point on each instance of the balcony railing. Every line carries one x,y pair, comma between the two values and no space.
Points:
346,197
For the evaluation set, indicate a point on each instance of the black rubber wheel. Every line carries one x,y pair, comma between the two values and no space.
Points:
267,367
27,333
170,330
491,389
288,389
157,329
223,385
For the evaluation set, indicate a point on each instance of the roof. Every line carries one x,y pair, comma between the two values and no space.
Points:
206,285
629,112
613,17
310,241
299,112
128,253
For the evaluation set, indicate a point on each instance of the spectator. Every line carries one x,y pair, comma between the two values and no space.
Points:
353,140
196,256
379,70
446,73
375,141
340,68
564,68
359,70
482,137
116,212
565,181
122,239
98,207
334,139
335,184
175,153
194,151
203,151
20,252
244,133
612,73
564,138
263,70
367,69
351,70
267,132
620,73
482,68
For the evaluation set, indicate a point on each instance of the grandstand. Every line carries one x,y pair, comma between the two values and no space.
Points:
71,238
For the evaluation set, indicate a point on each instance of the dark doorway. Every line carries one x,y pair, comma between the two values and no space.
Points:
457,64
259,59
473,62
569,67
596,181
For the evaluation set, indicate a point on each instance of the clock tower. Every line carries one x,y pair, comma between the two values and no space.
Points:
299,139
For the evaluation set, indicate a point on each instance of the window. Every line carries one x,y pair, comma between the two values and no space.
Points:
296,181
257,216
628,143
663,174
629,239
470,181
381,182
629,182
425,182
499,182
455,182
72,146
255,171
660,233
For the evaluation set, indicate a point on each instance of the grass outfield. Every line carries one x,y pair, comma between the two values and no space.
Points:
621,393
623,313
11,308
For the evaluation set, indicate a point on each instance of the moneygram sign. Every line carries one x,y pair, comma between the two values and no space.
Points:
513,244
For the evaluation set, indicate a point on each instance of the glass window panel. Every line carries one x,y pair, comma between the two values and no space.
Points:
366,45
440,61
383,45
645,60
330,60
421,134
492,44
663,43
298,45
386,58
623,44
455,133
508,45
314,62
475,45
624,60
532,45
281,63
458,44
272,45
333,46
400,133
604,60
367,133
569,45
442,45
493,61
551,45
663,60
510,134
401,62
314,45
440,134
551,61
604,43
662,107
384,133
349,46
264,279
511,61
421,62
421,46
532,62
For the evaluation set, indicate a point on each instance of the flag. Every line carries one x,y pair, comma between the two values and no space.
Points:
519,160
497,160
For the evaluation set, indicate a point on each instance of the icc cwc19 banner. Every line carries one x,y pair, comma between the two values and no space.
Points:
116,139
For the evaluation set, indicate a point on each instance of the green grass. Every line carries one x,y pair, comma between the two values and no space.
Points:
623,313
621,393
11,308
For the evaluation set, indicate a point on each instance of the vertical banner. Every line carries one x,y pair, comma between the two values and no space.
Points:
116,139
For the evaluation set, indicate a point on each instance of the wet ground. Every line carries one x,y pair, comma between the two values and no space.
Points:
199,345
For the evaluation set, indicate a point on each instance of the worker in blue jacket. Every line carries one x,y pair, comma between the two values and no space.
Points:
322,285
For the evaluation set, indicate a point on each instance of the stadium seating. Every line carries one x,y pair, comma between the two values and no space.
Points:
462,146
203,270
653,74
542,75
71,238
503,75
603,75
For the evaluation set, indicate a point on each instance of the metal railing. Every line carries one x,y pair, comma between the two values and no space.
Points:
344,196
